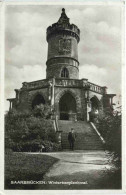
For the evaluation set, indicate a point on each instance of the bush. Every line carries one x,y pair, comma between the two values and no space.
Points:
27,132
36,146
42,110
57,147
27,146
51,146
110,129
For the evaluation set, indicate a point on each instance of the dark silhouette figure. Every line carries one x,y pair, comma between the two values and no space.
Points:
71,138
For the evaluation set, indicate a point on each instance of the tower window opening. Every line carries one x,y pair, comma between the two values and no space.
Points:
65,73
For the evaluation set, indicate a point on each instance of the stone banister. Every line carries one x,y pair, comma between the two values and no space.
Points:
79,83
64,82
35,84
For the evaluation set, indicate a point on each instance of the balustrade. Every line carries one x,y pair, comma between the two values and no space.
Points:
77,83
65,83
36,84
95,88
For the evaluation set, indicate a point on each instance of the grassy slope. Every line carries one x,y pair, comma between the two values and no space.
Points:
26,167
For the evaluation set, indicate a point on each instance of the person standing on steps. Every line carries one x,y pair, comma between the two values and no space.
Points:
71,138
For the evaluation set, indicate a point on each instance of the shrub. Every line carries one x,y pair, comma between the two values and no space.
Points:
42,110
57,147
27,132
110,129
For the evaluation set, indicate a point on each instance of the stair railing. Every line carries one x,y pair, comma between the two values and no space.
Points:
94,127
56,123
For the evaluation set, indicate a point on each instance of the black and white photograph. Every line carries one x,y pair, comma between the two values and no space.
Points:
63,96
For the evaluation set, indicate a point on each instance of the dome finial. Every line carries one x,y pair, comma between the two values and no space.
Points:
63,17
63,10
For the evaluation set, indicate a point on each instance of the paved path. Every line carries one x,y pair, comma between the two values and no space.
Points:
91,168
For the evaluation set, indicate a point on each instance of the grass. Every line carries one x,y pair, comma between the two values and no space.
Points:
26,167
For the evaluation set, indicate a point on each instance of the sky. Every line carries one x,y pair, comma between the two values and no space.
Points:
99,49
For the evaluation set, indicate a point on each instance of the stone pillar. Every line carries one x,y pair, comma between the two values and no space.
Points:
10,105
53,92
59,134
88,103
88,109
17,94
50,89
111,100
51,96
104,90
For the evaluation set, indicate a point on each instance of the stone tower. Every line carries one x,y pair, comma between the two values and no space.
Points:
63,39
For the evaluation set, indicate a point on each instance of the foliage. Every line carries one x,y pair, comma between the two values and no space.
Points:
42,110
110,128
26,132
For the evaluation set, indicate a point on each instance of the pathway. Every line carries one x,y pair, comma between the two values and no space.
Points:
79,170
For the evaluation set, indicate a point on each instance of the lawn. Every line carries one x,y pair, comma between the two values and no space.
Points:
26,167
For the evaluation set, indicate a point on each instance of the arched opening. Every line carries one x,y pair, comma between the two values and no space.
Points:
65,73
38,100
94,108
67,107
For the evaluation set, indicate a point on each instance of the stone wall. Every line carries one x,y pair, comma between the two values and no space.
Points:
24,104
54,47
44,92
21,104
55,71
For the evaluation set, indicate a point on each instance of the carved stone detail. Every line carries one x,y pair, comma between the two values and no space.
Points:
65,46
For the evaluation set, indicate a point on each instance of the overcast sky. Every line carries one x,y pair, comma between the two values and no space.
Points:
99,49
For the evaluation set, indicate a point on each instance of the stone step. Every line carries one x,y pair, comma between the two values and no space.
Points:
79,126
86,137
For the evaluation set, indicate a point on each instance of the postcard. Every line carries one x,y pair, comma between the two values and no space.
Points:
62,97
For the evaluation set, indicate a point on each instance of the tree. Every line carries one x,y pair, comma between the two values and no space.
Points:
110,128
42,110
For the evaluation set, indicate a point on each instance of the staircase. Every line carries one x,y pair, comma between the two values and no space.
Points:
86,136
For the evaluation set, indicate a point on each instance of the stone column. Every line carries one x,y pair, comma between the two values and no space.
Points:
111,100
17,94
10,105
104,90
88,103
88,109
59,134
49,95
53,92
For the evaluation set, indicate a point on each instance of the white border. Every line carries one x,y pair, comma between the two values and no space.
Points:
64,192
2,95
